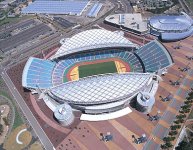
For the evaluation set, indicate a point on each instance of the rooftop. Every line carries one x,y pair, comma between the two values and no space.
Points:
92,39
102,88
171,22
132,21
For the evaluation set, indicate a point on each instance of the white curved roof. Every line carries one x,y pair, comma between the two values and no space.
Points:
102,88
92,39
171,22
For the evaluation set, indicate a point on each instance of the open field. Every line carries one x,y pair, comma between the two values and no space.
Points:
95,69
36,146
24,137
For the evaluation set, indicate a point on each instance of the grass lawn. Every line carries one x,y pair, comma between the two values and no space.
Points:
95,69
18,121
36,146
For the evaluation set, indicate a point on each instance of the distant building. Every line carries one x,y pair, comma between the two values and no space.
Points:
130,22
69,7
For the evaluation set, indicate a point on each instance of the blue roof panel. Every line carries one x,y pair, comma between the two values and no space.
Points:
56,7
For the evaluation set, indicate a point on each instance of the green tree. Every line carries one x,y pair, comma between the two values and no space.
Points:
172,133
183,145
181,116
169,144
1,129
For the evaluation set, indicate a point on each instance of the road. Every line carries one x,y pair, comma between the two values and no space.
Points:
27,112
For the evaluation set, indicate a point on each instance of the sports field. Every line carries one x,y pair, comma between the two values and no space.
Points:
95,69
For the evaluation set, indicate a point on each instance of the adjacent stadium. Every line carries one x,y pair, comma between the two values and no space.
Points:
171,27
97,72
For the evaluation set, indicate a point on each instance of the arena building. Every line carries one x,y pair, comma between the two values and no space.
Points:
171,27
97,72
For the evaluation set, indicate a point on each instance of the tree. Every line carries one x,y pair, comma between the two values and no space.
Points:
177,122
1,129
169,144
168,139
183,145
163,146
181,116
172,133
181,120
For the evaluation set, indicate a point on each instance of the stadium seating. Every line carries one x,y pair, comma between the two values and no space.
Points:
38,73
62,67
45,73
154,56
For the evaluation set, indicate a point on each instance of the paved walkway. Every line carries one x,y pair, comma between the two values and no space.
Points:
162,128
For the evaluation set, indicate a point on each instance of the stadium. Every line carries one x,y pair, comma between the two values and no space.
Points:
171,27
97,72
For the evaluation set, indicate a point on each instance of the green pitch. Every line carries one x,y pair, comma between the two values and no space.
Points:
99,68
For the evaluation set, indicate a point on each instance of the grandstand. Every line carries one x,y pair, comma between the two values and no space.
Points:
38,73
106,89
171,27
70,7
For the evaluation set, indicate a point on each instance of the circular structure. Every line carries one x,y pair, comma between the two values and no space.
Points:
63,113
145,102
171,27
96,71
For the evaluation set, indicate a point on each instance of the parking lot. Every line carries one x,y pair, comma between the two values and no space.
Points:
20,34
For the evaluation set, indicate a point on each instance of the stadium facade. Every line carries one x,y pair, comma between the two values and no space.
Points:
100,96
171,27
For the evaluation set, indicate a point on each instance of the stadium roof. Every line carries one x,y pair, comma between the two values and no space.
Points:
56,7
171,22
101,88
92,39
